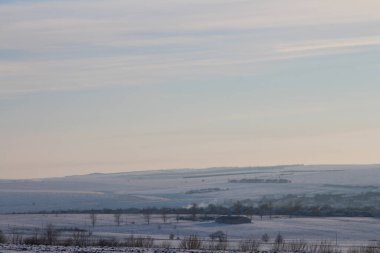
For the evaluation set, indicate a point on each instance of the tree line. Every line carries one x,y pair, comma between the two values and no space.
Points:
263,209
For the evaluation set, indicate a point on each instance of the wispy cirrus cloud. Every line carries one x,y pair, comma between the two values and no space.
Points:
65,44
334,44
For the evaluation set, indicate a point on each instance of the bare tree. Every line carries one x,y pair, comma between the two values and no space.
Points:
193,211
79,237
266,209
251,245
279,243
165,245
249,211
164,216
141,242
218,241
261,210
117,218
3,239
16,237
296,246
265,237
147,216
279,239
50,234
238,207
93,218
270,209
191,242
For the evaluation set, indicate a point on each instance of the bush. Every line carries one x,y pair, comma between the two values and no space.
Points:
218,235
16,237
79,237
112,242
251,245
2,237
33,240
218,241
50,235
68,242
139,242
191,242
165,245
217,246
279,244
296,246
229,219
265,238
365,249
324,247
279,239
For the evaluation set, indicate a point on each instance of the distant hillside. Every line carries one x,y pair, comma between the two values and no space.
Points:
182,187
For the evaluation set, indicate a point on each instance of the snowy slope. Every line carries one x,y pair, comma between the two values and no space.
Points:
169,187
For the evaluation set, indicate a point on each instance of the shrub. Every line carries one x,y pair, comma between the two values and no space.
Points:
296,246
165,245
365,249
79,237
218,235
33,240
2,237
190,242
140,242
251,245
265,238
279,244
68,242
279,239
50,235
217,246
323,247
229,219
218,241
16,237
112,242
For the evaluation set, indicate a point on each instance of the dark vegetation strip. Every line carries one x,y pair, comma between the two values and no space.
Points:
263,209
229,174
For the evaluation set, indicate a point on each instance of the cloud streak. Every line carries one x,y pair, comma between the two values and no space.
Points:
69,44
327,45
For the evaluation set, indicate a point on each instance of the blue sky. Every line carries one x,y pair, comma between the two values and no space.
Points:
135,85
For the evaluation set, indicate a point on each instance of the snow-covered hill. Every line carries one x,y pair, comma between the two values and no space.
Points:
175,188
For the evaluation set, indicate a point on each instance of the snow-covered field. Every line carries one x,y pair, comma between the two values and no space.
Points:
348,230
180,188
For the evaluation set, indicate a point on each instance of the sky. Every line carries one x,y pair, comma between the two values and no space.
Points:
122,85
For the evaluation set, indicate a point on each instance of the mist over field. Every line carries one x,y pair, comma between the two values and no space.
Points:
344,186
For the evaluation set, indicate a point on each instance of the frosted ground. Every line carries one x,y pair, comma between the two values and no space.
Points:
349,230
168,188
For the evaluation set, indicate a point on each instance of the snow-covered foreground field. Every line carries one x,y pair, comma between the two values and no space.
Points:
346,230
42,248
181,188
